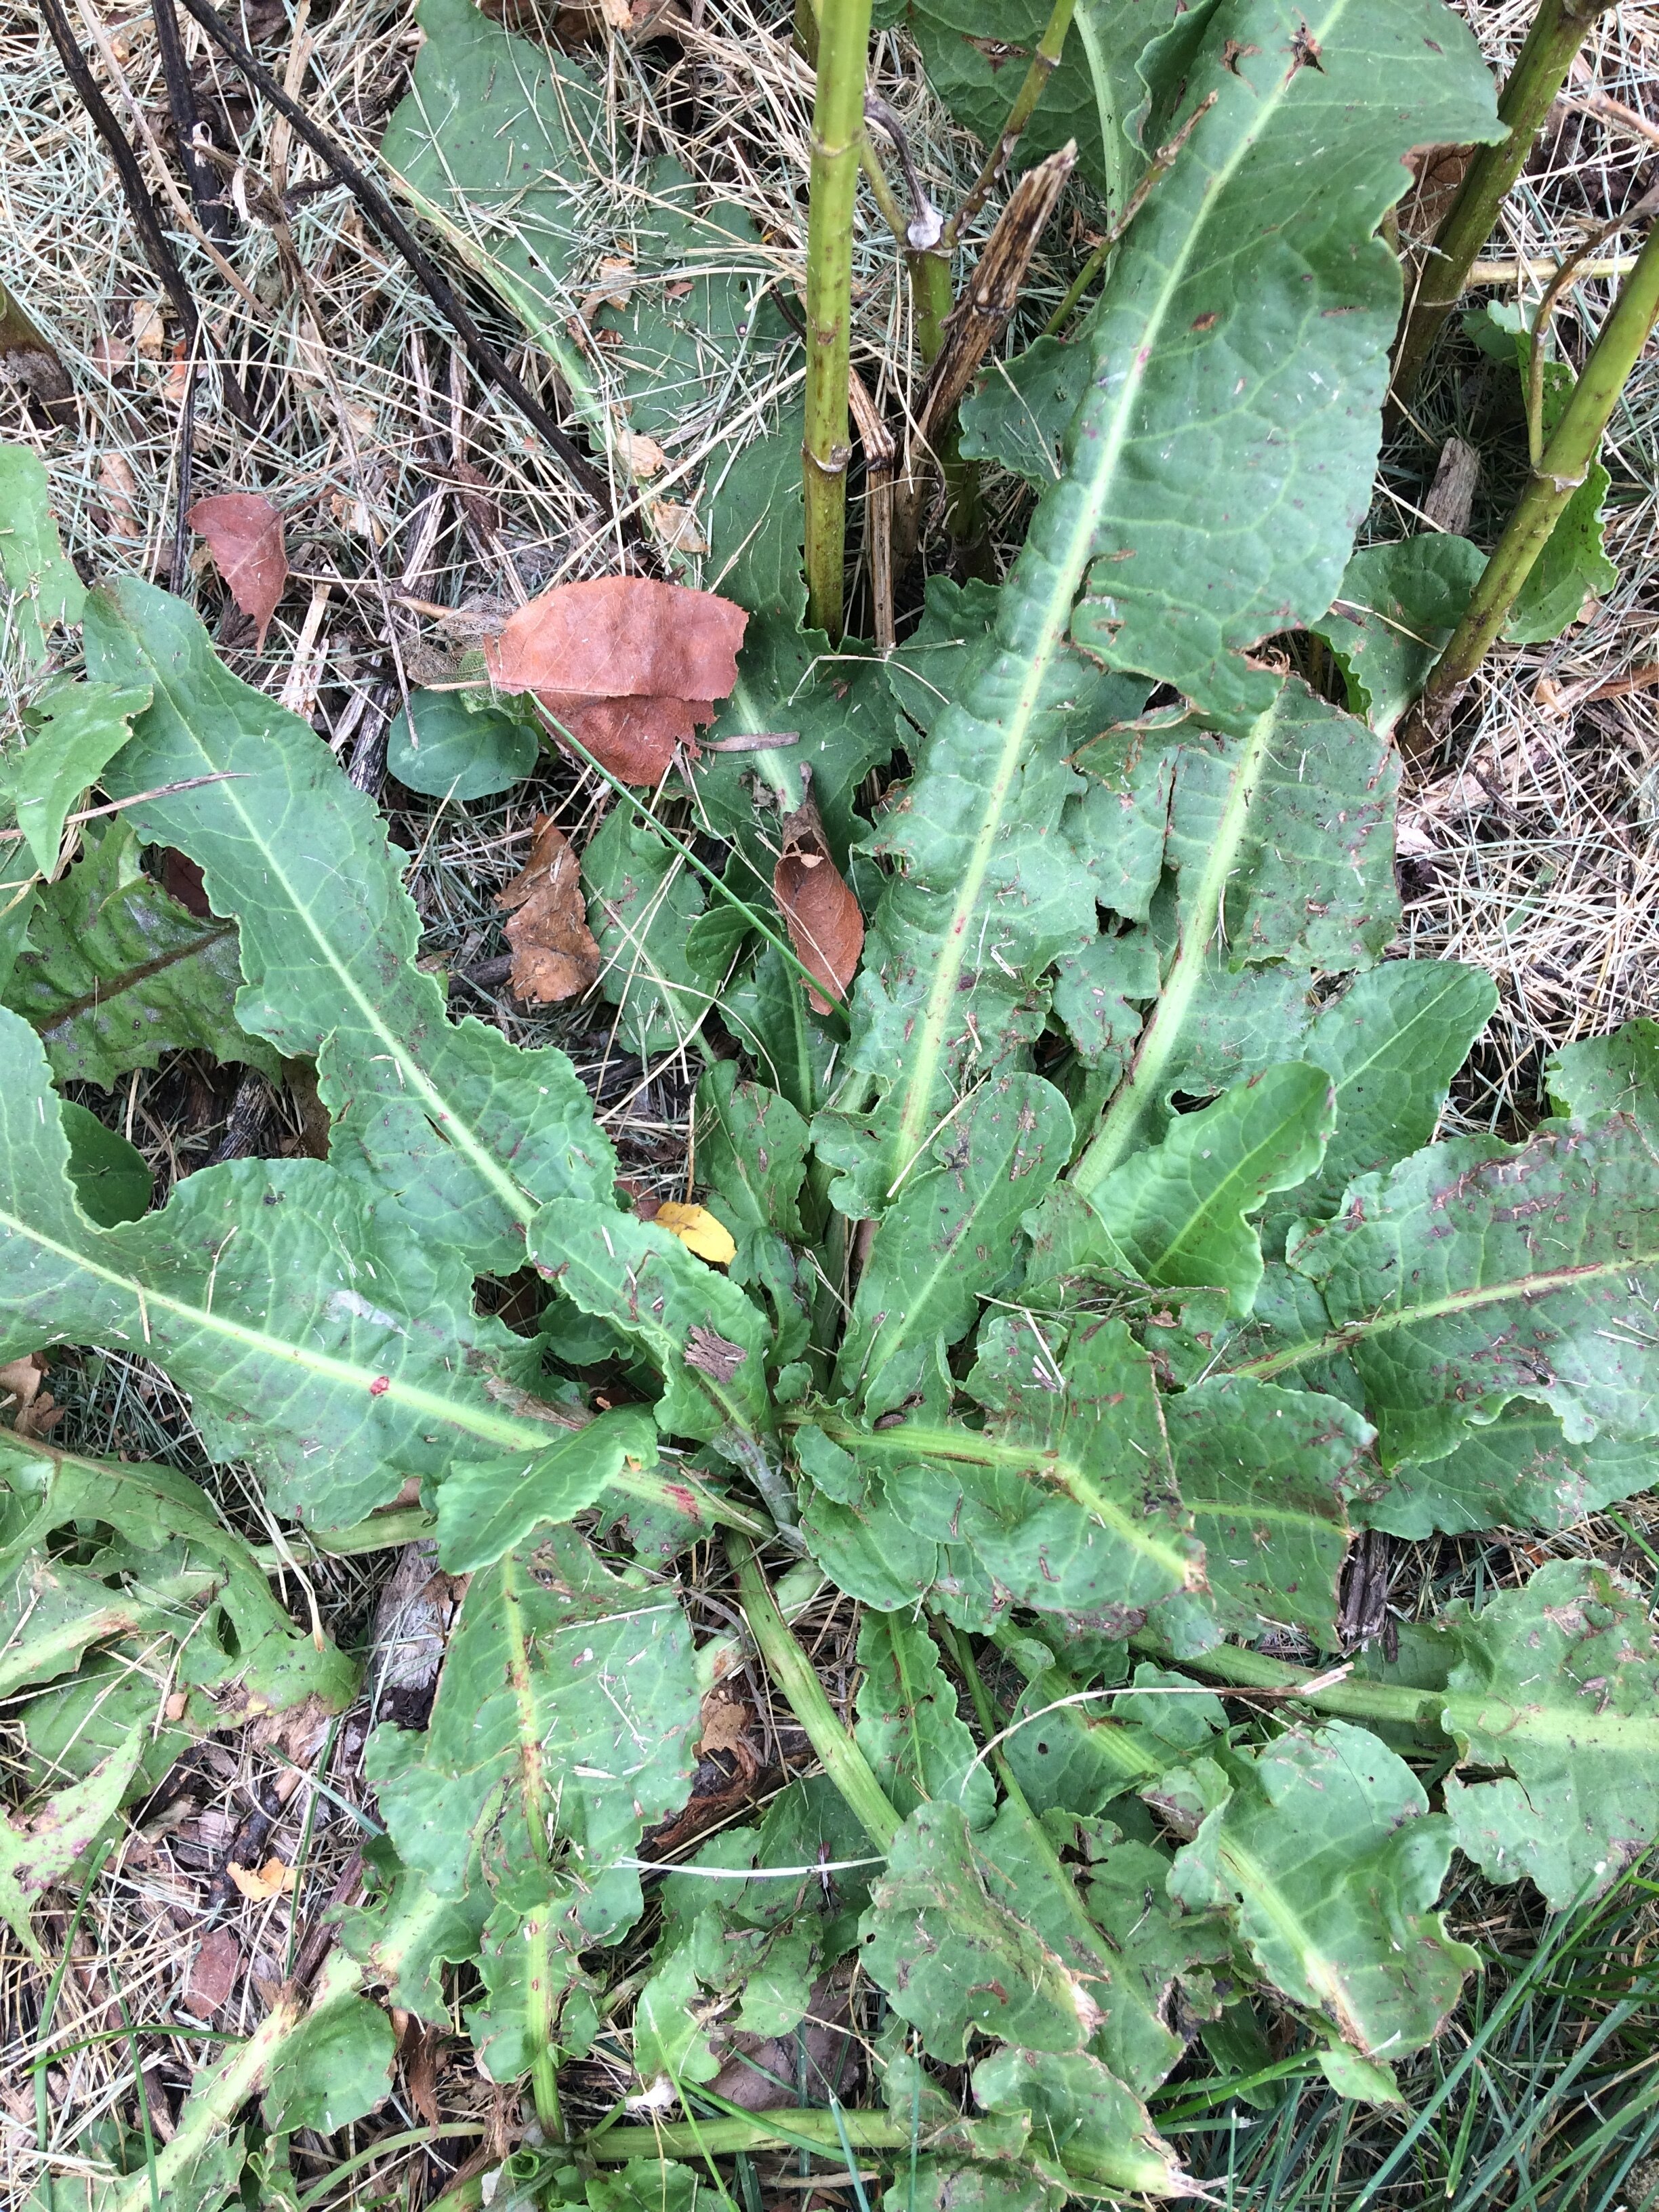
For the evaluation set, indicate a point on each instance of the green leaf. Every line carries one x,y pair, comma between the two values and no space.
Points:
642,902
1615,1074
446,745
39,1848
489,1507
1067,1495
538,1993
151,1557
335,2066
1555,1686
752,1151
704,1337
949,2185
469,1134
1086,2128
1396,608
758,523
950,1958
949,1239
1518,1471
1572,566
1391,1045
115,973
668,2037
908,1725
407,1933
566,1710
68,736
271,1292
45,589
494,142
1158,1947
1478,1273
112,1181
1180,1213
1326,1852
1019,413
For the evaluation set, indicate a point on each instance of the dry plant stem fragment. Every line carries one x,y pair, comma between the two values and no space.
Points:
1558,29
837,138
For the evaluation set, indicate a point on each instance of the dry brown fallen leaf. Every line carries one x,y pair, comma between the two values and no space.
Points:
554,955
698,1229
630,666
213,1972
32,1410
260,1884
119,494
244,533
825,926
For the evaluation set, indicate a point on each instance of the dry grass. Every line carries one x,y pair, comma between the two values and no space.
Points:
1534,853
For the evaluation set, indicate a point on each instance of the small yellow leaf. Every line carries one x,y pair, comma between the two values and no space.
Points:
260,1884
698,1231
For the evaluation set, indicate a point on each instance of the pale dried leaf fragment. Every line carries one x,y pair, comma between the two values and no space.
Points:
711,1354
641,456
147,333
213,1972
260,1884
119,495
244,533
630,666
553,954
825,925
32,1410
699,1230
726,1719
678,526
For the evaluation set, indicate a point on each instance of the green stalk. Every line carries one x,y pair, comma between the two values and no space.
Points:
1348,1699
1558,29
1125,1119
808,2128
804,1695
1045,58
1566,461
837,139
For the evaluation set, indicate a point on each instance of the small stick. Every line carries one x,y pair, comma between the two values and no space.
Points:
385,217
1565,461
181,105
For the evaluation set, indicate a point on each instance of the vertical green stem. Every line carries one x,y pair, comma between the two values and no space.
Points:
1558,29
790,1668
1044,58
1566,460
837,138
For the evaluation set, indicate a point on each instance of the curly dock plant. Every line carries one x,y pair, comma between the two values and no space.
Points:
1098,1291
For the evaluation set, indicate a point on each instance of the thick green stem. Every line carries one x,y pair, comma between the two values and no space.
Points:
807,2128
1347,1699
1566,461
1126,1119
790,1668
1558,29
837,140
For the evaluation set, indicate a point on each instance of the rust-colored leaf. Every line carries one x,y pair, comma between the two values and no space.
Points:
825,926
630,666
213,1972
244,533
554,955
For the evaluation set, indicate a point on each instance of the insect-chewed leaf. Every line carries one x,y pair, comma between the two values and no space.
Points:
1477,1272
406,1933
567,1707
1616,1074
1267,1475
39,1848
1332,1860
908,1725
1557,1685
488,1508
752,1149
114,972
630,666
470,1134
705,1340
67,738
1180,1213
950,1958
244,533
1397,606
1391,1045
44,586
554,955
1086,2127
1158,1946
950,1238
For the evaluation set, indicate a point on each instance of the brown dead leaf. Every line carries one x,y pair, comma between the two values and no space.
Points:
678,527
119,487
553,954
825,926
421,2048
641,456
698,1229
213,1972
712,1354
260,1884
726,1723
32,1410
147,333
244,533
630,666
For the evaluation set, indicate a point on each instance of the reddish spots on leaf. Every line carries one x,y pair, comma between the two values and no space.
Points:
379,1386
686,1500
1207,322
